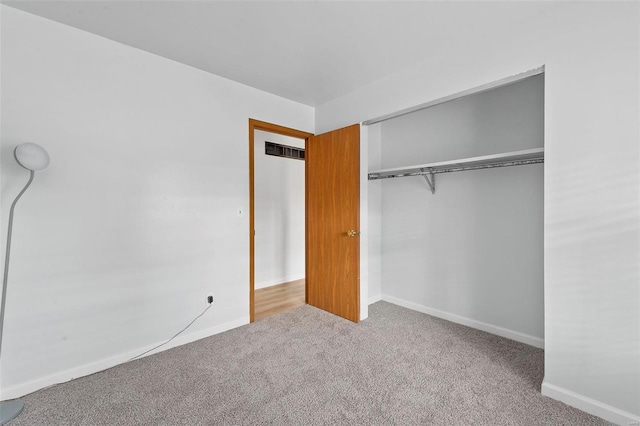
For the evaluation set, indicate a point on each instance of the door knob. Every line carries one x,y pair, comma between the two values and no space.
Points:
353,233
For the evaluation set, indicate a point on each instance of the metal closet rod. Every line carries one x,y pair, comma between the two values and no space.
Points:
430,171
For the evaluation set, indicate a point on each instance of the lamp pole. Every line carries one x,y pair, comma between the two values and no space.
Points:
32,157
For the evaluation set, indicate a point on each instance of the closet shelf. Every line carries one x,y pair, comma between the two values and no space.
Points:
429,170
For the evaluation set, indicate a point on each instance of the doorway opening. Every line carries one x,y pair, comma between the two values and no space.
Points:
332,218
279,213
277,218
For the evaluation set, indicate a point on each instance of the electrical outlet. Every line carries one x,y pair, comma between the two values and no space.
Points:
209,299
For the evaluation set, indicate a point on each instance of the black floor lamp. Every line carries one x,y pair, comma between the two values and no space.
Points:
32,157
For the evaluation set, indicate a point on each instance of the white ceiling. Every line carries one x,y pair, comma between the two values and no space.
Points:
307,51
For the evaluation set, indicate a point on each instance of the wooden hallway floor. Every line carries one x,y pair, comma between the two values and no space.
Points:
278,298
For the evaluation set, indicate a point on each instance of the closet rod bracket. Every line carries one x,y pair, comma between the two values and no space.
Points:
430,178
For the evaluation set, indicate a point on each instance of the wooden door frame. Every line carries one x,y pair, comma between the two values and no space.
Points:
271,128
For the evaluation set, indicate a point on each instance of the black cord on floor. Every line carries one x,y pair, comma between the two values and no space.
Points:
143,353
174,336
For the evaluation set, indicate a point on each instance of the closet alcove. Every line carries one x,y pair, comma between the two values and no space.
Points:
456,196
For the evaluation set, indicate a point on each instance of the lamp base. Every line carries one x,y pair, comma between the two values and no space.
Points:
9,410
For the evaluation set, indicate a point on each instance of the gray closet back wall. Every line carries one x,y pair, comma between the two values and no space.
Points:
474,249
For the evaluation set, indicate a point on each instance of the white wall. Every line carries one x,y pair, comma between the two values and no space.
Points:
118,243
373,211
279,213
473,251
591,53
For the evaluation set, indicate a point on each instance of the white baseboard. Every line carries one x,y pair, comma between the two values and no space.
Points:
374,299
589,405
276,281
21,389
489,328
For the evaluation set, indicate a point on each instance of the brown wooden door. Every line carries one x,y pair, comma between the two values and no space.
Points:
333,222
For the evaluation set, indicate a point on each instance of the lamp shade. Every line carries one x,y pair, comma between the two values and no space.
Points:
31,156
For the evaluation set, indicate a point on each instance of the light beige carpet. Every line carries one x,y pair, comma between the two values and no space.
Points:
308,367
